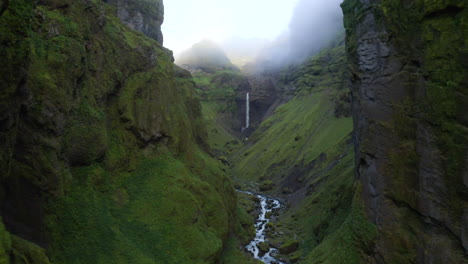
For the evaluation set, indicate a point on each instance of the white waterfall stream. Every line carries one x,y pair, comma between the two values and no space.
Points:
247,111
267,205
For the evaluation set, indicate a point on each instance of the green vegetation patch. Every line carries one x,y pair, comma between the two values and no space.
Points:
159,213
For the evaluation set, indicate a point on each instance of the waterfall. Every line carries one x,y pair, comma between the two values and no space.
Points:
247,111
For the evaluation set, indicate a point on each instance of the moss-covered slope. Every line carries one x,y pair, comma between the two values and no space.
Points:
304,127
145,16
99,144
410,78
303,154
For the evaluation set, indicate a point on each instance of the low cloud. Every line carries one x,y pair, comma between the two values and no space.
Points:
315,24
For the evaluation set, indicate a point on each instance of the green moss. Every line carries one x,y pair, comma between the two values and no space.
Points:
25,252
289,246
403,168
308,118
350,242
139,211
233,254
86,135
5,245
431,37
14,249
102,103
218,93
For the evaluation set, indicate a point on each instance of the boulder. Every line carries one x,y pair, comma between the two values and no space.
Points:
266,186
264,247
289,247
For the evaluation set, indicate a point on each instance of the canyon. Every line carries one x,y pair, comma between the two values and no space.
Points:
112,153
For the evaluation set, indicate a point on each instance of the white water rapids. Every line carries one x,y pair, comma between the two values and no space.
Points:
267,205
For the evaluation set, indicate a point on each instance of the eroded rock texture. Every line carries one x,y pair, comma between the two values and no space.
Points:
145,16
410,90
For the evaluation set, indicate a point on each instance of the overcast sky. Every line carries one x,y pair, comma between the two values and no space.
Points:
190,21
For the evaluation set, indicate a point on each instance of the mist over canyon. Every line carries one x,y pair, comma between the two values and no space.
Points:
227,132
314,25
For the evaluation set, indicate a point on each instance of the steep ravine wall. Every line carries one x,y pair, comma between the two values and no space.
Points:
145,16
101,141
409,68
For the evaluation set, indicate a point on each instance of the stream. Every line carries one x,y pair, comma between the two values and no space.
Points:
267,205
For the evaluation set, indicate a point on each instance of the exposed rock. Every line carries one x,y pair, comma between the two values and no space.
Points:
264,247
407,92
263,98
145,16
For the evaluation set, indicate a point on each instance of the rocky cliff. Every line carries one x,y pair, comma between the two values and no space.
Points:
101,142
409,68
145,16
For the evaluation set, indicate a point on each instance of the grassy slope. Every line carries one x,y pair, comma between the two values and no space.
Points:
218,103
303,128
125,200
217,100
305,150
162,212
299,131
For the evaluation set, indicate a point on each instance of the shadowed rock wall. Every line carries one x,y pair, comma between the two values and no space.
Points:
408,61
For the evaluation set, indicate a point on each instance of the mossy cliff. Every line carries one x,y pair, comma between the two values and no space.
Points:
222,96
410,90
145,16
102,144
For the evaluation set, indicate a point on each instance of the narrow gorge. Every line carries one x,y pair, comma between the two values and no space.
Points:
343,139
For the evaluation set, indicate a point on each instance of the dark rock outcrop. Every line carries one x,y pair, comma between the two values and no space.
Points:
409,75
145,16
263,98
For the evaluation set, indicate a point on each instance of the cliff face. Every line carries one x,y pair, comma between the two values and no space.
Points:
99,144
145,16
410,78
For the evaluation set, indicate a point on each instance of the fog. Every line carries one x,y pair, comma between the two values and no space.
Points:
314,25
190,21
271,33
204,54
